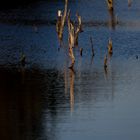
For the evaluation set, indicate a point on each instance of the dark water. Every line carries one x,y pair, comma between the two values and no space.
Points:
47,101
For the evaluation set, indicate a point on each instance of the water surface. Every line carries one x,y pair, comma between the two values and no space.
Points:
47,101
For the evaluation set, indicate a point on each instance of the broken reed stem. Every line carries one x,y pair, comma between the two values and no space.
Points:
60,23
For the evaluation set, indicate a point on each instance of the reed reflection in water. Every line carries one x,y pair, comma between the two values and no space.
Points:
34,103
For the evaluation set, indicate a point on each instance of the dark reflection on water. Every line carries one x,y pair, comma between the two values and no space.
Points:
62,104
33,101
23,97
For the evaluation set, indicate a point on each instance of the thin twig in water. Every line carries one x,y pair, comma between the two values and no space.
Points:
92,46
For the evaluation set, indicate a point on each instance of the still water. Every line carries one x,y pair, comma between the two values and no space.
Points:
47,101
